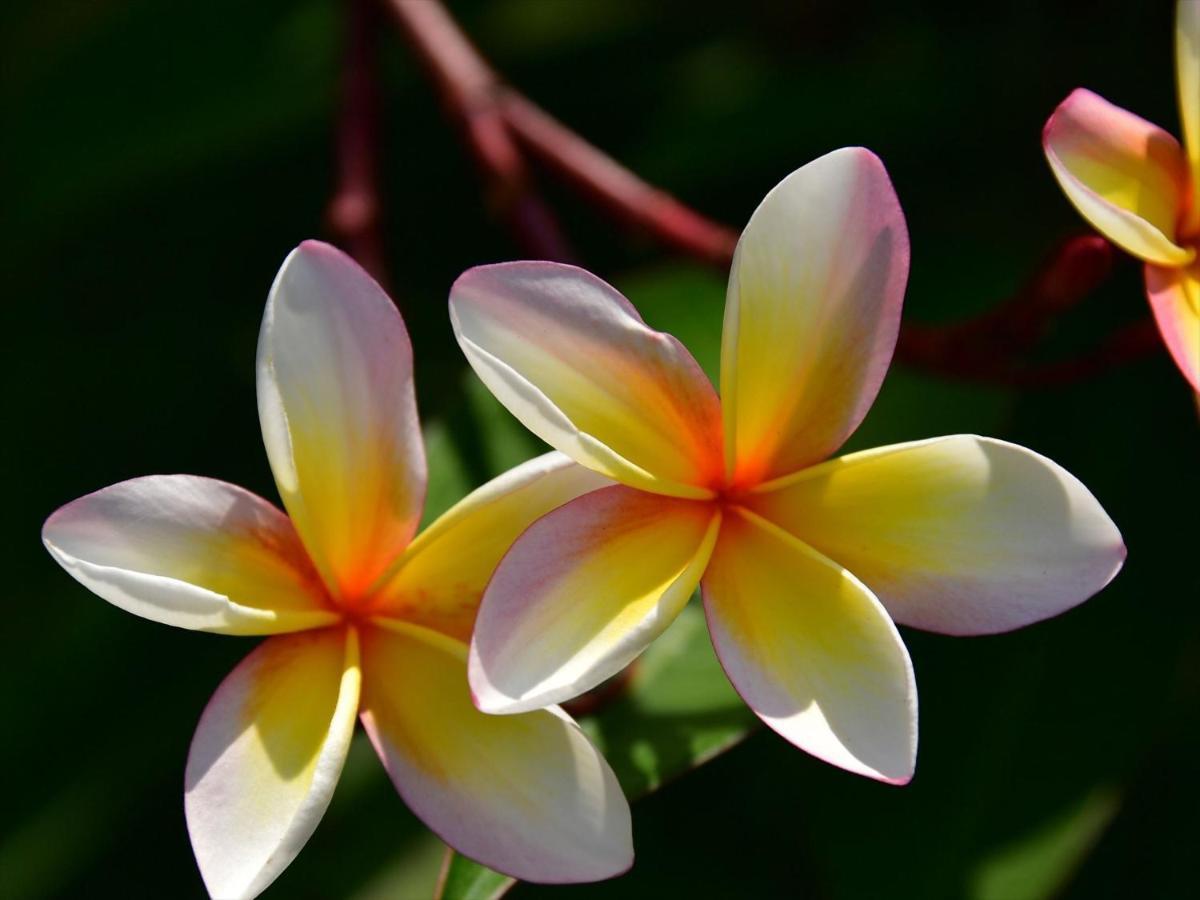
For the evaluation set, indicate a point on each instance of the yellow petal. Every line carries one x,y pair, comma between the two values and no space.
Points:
572,359
583,591
1187,70
266,756
810,650
1175,299
1126,176
962,535
526,795
812,314
339,418
440,578
191,552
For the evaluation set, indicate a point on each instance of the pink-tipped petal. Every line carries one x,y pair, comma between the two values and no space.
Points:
338,414
1175,299
191,552
961,535
571,358
266,756
582,592
811,650
441,577
812,314
1126,176
526,795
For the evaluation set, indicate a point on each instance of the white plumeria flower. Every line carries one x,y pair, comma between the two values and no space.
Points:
804,564
1141,190
364,620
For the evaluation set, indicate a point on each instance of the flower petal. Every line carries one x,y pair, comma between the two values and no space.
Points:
582,592
440,578
962,535
811,650
192,552
338,414
812,314
1175,298
526,795
1126,176
1187,71
266,756
571,358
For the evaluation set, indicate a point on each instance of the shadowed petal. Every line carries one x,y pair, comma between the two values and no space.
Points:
1126,176
584,591
339,417
571,358
192,552
266,756
812,314
811,650
527,795
962,535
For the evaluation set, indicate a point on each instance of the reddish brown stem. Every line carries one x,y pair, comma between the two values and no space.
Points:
354,209
602,694
1131,343
989,347
614,188
469,91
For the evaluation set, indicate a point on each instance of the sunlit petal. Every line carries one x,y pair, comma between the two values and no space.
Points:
266,756
583,592
1175,298
811,650
812,314
570,358
962,535
527,795
339,418
192,552
1126,176
440,578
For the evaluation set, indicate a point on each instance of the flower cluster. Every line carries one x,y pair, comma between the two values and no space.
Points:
453,645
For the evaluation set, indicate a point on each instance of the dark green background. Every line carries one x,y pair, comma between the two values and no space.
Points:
160,159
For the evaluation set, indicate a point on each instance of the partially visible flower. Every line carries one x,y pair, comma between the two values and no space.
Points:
365,621
803,564
1141,190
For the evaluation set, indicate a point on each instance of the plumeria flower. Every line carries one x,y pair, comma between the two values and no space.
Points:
1140,189
364,620
803,564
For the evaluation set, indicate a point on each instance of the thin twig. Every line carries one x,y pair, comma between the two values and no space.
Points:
354,210
990,347
469,92
602,694
624,195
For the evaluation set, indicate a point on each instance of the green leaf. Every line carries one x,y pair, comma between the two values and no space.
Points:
463,879
1040,866
676,711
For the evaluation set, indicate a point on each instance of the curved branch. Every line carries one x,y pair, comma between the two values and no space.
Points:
500,123
470,93
353,212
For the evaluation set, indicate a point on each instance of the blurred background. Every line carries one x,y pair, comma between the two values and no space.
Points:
160,160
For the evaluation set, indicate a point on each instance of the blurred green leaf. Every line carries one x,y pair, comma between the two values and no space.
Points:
1038,867
465,879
